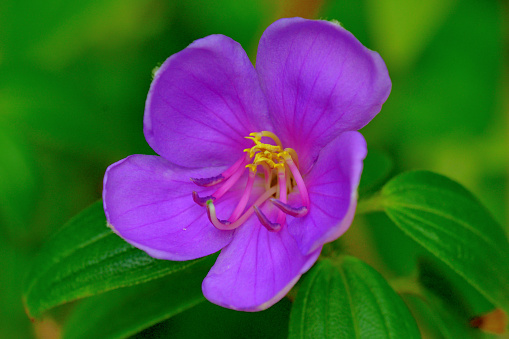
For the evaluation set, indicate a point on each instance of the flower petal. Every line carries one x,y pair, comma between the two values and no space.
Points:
257,268
332,187
148,202
202,103
319,81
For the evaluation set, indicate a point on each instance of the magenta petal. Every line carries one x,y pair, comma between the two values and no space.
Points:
257,268
202,103
148,202
319,81
332,187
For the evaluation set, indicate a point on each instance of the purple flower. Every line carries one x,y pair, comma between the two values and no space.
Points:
273,154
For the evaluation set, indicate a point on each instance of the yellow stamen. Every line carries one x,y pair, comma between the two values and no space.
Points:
268,155
277,163
252,167
293,154
273,137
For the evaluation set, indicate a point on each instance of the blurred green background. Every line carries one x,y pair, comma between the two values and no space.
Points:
74,78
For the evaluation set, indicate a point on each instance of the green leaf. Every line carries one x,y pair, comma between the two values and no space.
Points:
351,300
449,288
86,258
210,321
447,220
436,321
126,311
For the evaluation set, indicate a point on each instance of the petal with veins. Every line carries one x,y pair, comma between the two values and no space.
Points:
332,186
148,202
319,81
202,103
257,268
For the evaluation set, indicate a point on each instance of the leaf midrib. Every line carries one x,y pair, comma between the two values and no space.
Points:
64,256
467,278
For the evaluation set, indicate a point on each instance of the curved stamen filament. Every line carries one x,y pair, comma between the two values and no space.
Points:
277,163
227,225
245,197
228,173
281,179
293,154
228,183
268,175
298,180
270,226
223,225
206,182
293,211
202,201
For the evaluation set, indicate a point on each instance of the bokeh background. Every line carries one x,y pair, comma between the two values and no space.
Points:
74,77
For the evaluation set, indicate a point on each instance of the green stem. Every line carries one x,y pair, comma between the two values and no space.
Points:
371,204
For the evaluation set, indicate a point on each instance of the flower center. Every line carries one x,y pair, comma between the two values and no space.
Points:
279,169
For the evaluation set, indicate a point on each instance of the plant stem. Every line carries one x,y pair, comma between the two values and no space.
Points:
371,204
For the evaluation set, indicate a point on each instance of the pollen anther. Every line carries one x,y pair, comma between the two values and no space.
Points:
277,163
